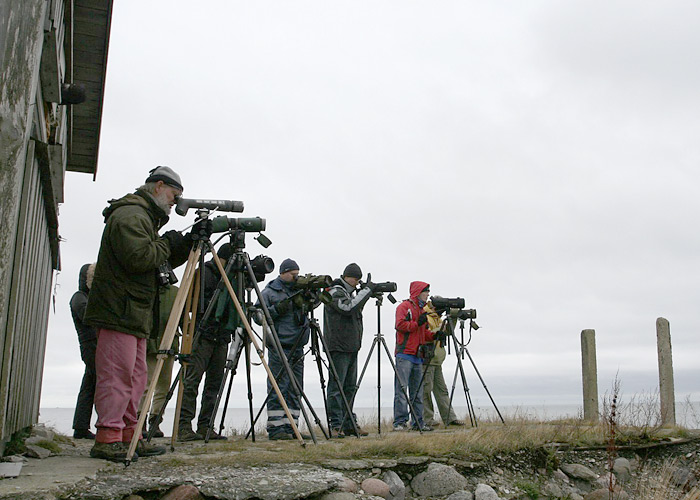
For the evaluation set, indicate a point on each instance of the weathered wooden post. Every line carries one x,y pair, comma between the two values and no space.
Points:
590,375
666,389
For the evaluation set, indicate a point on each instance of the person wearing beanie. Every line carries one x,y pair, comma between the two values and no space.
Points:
293,329
209,352
342,330
122,303
411,332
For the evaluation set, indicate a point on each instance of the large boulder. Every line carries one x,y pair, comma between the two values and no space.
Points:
578,471
438,480
396,487
375,487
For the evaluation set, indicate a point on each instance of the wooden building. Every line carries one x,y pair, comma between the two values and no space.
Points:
53,59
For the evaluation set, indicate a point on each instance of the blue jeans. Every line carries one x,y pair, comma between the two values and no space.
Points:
277,421
411,374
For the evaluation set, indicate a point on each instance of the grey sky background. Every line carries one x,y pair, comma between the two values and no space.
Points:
538,158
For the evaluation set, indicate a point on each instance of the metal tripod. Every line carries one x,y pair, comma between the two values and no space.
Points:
461,350
379,340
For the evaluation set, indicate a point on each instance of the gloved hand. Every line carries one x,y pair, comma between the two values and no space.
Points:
441,337
175,239
371,286
202,230
283,307
423,319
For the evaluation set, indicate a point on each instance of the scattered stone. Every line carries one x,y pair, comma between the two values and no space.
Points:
552,489
578,471
485,492
43,432
35,451
498,471
34,440
558,474
438,480
183,492
604,480
376,470
396,487
461,495
134,497
10,469
14,459
683,478
604,494
622,469
348,485
376,487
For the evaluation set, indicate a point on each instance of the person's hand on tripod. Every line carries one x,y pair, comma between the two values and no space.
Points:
201,230
175,239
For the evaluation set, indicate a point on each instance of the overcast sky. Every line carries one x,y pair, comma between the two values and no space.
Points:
539,159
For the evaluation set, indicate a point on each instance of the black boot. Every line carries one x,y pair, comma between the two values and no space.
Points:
154,426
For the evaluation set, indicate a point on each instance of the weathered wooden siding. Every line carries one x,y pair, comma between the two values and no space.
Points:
28,308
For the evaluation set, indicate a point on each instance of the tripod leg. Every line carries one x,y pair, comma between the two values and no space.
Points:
233,356
187,340
258,349
165,344
168,397
484,384
250,389
319,365
465,386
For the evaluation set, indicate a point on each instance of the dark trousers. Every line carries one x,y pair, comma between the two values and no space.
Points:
277,421
346,366
207,357
86,396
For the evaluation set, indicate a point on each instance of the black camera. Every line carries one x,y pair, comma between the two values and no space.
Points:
443,303
467,314
262,265
166,275
386,286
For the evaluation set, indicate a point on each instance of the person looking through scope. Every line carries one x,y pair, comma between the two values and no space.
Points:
293,330
122,302
411,334
433,378
342,329
208,355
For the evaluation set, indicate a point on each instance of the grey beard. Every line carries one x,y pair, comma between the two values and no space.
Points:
162,202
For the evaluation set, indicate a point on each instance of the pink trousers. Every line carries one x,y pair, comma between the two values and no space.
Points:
120,363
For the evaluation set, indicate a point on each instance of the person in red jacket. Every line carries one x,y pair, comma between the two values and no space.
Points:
411,332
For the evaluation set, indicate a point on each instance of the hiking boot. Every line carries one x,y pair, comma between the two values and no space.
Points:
83,434
213,435
143,449
187,434
423,428
351,432
337,434
457,423
400,427
114,452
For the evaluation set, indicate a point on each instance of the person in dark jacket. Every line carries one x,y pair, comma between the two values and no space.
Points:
293,330
342,330
208,356
87,338
122,302
411,333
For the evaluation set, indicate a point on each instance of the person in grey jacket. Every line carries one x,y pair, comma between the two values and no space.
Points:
293,330
342,330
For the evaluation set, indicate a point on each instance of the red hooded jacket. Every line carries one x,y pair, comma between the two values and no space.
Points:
408,334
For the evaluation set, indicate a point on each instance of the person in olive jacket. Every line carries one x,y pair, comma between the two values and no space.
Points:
122,304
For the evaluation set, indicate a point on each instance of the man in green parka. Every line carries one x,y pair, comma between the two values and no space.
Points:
122,303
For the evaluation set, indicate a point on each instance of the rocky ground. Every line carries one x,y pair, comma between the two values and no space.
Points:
197,471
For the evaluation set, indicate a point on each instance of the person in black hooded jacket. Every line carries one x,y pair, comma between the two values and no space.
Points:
87,338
